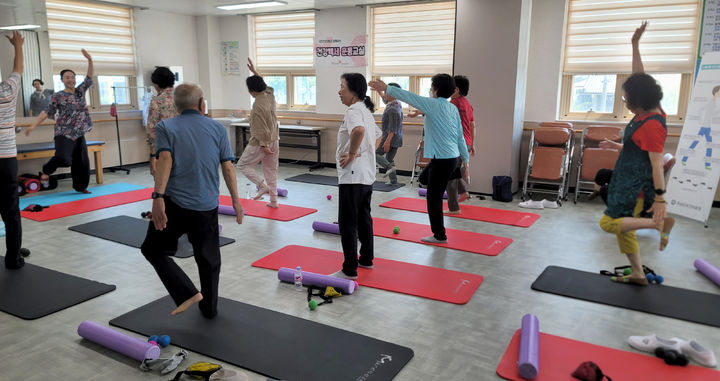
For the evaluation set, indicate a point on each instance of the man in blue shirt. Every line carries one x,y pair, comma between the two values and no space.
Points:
190,147
391,135
444,143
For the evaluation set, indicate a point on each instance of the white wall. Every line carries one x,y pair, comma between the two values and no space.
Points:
545,64
233,91
333,22
208,49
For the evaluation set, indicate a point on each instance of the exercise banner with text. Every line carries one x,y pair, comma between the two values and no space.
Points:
693,181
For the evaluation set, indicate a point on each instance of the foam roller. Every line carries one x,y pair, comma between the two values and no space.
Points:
31,185
707,269
226,209
423,192
326,227
282,192
118,341
528,358
347,286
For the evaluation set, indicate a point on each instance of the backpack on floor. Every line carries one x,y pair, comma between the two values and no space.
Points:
502,188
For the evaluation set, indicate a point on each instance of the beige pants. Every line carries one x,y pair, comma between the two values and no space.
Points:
255,154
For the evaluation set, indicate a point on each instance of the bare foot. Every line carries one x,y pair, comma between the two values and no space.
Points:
463,196
642,281
263,191
665,233
272,204
187,304
452,212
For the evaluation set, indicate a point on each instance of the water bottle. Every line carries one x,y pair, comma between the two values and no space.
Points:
298,279
248,191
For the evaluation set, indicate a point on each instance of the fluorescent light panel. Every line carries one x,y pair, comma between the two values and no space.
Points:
255,4
19,27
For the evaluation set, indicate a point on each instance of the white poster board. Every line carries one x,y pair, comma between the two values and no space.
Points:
348,51
230,53
694,178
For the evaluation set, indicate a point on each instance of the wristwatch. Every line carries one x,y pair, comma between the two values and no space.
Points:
157,195
659,192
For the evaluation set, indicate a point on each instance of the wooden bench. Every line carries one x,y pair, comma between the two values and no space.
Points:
41,150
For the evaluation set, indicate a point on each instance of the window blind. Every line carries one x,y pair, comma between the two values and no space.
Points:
413,39
105,31
599,31
284,41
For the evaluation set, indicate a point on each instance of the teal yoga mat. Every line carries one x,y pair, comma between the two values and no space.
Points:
63,197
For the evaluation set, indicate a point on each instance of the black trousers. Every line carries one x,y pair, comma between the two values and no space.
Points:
437,173
10,212
202,231
73,154
355,222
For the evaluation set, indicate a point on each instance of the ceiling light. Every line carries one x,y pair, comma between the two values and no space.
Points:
19,27
254,4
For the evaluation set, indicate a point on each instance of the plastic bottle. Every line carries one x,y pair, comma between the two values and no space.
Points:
248,191
298,279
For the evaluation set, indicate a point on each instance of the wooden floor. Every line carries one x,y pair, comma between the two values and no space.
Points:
451,342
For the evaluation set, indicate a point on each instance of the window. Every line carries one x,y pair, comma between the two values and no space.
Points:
424,87
598,55
105,84
283,45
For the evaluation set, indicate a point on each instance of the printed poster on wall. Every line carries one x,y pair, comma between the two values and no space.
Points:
341,51
694,178
230,53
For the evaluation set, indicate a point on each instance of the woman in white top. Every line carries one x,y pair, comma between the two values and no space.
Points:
355,159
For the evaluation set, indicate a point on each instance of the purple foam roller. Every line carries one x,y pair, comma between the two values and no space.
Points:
226,209
326,227
282,192
118,341
347,286
707,269
528,358
423,192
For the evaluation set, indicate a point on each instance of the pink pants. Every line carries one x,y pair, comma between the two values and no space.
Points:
255,154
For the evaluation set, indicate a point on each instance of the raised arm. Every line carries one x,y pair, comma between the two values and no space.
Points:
637,65
421,103
252,68
91,68
17,41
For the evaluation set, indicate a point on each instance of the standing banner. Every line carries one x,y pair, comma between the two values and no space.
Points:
694,178
341,51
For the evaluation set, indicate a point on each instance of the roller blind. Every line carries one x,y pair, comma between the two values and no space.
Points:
413,39
284,41
105,31
599,32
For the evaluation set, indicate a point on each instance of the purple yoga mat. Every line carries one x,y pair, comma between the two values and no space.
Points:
326,227
118,341
347,286
707,269
423,192
528,358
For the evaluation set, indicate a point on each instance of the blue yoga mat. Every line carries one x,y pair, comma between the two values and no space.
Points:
62,197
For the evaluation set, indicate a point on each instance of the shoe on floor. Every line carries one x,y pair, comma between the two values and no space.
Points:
24,252
651,342
341,274
432,239
366,266
531,204
696,352
549,204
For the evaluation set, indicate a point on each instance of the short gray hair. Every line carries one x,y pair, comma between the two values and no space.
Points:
187,96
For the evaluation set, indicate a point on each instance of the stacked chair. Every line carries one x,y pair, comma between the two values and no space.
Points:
593,158
551,151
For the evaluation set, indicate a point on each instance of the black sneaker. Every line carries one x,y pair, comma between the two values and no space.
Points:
24,252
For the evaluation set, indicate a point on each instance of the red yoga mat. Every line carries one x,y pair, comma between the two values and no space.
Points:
470,212
87,205
472,242
406,278
559,357
260,209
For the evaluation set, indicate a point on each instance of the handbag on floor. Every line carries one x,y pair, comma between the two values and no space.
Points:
502,188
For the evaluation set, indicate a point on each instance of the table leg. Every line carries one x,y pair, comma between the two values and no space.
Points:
98,167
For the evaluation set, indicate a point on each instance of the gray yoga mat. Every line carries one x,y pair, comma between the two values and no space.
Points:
332,180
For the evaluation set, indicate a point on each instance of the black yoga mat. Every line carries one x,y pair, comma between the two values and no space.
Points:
32,291
678,303
271,343
131,231
332,180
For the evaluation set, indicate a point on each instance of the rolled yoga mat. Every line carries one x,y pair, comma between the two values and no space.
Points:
326,227
347,286
118,341
707,269
528,357
423,192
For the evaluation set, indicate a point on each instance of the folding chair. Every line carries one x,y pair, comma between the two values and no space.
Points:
593,158
551,148
420,162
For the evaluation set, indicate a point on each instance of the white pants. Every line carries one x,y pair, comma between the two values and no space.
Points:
255,154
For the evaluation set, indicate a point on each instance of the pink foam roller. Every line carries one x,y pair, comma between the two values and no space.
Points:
347,286
423,192
528,358
118,341
707,269
326,227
